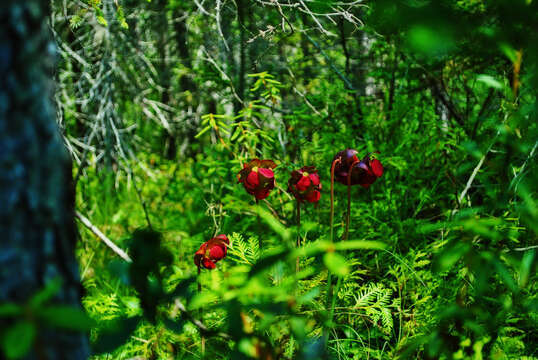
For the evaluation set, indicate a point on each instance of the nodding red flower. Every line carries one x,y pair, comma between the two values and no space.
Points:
304,184
211,252
258,177
363,172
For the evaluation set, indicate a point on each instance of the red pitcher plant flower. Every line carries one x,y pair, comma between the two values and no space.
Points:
211,252
258,177
347,169
304,184
363,172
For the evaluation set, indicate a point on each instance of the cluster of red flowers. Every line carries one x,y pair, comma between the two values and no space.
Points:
258,179
352,171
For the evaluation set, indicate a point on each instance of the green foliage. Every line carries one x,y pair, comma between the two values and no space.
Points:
270,87
95,7
18,339
40,312
336,264
244,251
442,258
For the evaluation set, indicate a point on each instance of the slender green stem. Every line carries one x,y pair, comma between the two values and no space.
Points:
202,337
328,305
259,221
333,300
332,296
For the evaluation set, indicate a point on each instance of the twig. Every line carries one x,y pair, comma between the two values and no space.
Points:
346,81
217,18
473,175
520,173
223,74
139,193
320,27
86,222
526,248
202,10
307,102
471,178
82,164
273,211
482,111
284,17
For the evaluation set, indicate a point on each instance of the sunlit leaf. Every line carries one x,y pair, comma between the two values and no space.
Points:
490,81
336,263
449,256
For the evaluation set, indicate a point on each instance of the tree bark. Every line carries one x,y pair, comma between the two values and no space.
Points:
242,55
186,83
36,196
170,146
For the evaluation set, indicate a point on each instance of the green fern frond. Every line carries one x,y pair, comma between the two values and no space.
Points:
386,320
384,297
366,296
244,251
253,250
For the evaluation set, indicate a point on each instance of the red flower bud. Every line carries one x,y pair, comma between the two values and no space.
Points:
211,252
363,172
304,184
258,177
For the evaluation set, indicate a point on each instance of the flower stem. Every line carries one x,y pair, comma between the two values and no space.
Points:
259,221
298,233
348,214
202,337
336,161
333,304
329,276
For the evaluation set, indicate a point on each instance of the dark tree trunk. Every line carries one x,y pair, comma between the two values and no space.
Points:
162,29
242,55
392,85
355,117
309,60
36,195
186,82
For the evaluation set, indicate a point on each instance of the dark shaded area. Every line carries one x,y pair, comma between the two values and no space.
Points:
36,193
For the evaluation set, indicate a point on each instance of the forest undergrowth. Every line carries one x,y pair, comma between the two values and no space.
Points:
165,104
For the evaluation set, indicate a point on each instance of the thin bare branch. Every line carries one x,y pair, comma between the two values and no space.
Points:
86,222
